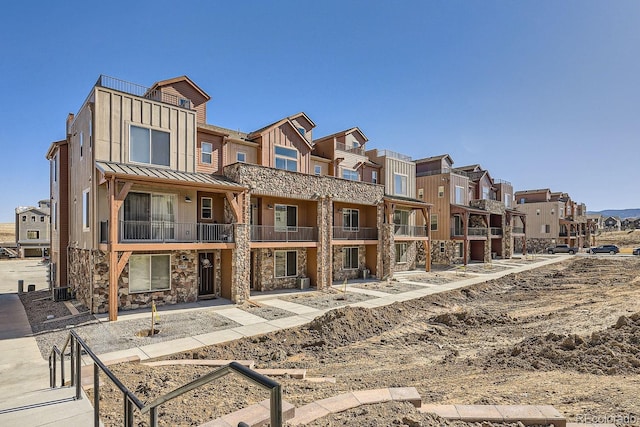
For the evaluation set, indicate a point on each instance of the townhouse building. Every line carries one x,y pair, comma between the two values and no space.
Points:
472,218
553,218
33,230
153,204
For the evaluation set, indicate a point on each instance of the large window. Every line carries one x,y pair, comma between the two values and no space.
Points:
434,222
149,216
350,258
485,193
149,146
206,153
350,174
206,208
350,219
286,218
286,158
399,184
401,253
33,234
149,273
401,217
286,263
507,200
85,209
459,195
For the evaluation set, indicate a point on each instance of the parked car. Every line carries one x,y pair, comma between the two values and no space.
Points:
605,249
562,249
636,251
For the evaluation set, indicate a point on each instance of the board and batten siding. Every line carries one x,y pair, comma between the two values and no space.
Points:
284,136
538,215
115,112
396,166
430,186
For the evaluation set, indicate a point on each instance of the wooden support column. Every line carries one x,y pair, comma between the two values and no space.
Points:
235,207
115,268
465,245
426,212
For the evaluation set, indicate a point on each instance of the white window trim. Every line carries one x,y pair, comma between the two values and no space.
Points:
431,222
287,158
405,246
33,231
374,177
286,227
317,170
406,179
152,289
150,128
351,172
243,154
202,207
202,153
86,217
455,196
352,228
285,265
344,254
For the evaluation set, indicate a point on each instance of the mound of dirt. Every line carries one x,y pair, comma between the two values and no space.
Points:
613,351
471,318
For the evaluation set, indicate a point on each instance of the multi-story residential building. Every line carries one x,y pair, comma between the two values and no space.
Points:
151,203
554,218
472,218
33,226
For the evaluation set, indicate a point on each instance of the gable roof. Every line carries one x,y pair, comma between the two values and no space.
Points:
169,82
434,158
286,120
344,132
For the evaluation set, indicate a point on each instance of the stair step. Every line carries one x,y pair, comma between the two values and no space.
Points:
257,415
526,414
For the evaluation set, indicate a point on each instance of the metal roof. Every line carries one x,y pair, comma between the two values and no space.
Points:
150,172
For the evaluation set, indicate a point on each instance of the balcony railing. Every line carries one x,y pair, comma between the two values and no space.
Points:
410,230
269,233
164,231
356,150
142,91
496,231
471,231
355,233
394,155
518,230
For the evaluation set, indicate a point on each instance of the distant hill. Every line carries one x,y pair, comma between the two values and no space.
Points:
621,213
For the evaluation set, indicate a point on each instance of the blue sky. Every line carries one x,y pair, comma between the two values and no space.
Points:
540,93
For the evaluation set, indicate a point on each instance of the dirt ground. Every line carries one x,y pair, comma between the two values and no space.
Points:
624,239
7,232
566,335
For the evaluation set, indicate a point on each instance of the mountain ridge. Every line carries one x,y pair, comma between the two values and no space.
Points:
620,213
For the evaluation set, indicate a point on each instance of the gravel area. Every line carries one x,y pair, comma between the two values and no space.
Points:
269,313
326,299
432,279
390,288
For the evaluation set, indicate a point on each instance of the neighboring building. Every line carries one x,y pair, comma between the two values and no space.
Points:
553,218
151,203
630,224
33,230
597,220
472,218
612,223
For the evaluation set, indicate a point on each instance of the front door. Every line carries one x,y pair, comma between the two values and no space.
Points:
206,274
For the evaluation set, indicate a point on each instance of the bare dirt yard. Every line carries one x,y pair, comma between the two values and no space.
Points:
624,239
566,335
7,232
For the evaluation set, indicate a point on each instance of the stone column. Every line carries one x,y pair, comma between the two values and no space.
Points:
241,260
387,250
325,232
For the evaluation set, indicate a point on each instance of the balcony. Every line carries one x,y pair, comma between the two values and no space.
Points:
471,231
518,230
496,231
356,150
410,230
269,233
355,233
142,91
174,232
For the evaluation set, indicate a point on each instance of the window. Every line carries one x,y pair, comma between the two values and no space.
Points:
206,207
81,143
33,234
24,218
350,258
440,191
302,131
184,103
149,216
401,253
41,218
54,166
286,158
241,157
458,250
206,151
149,273
442,247
547,228
401,217
85,210
434,222
54,217
350,174
149,146
459,195
485,193
286,218
507,200
350,219
374,177
286,263
33,218
317,169
399,184
420,193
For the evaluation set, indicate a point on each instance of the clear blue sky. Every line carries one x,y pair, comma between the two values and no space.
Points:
540,93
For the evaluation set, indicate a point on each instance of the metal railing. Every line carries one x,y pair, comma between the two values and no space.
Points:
394,155
518,230
410,230
77,346
471,231
496,231
142,91
342,147
270,233
355,233
166,231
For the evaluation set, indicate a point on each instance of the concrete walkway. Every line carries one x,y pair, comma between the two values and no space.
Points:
25,397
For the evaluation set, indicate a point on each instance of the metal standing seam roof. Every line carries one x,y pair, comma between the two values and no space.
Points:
112,168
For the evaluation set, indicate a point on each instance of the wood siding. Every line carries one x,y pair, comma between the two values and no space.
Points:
216,155
538,215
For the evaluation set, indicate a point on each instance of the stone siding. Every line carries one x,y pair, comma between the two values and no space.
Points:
412,257
536,246
491,206
340,273
265,263
241,264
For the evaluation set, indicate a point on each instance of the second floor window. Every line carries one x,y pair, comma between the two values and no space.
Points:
399,184
85,210
374,177
350,219
207,153
286,218
33,234
241,157
286,158
317,169
401,217
459,195
507,200
434,222
350,174
149,146
206,208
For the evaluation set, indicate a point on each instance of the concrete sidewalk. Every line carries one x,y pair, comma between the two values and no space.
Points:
27,400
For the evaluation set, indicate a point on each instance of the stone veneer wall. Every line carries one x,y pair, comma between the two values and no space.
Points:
387,241
534,245
325,220
265,262
79,274
241,264
340,273
507,242
412,257
448,256
492,206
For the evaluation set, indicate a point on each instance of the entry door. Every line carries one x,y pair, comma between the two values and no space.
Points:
206,273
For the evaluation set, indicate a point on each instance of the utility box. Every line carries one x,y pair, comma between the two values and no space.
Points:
364,273
304,282
61,294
